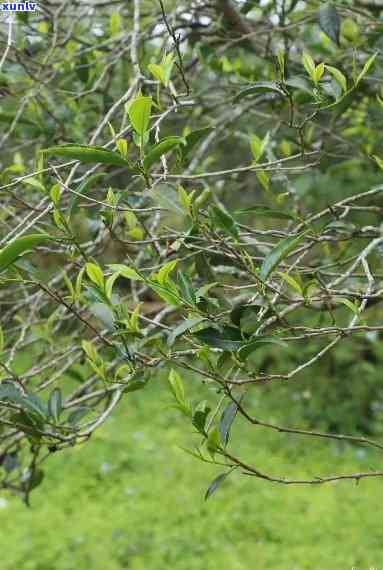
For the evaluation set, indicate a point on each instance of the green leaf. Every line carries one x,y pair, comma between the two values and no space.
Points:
83,67
161,148
258,146
115,24
90,350
167,197
224,220
229,338
226,421
238,311
158,71
186,288
33,405
168,293
202,199
134,321
366,68
78,284
55,405
274,86
141,140
178,391
29,402
217,482
292,282
10,392
263,179
318,72
329,22
123,147
110,284
162,71
339,77
88,154
139,114
267,213
349,304
185,199
55,194
278,254
200,416
104,314
125,271
10,253
379,161
167,64
95,274
193,138
183,327
308,64
213,443
299,83
70,287
35,183
163,274
177,386
310,288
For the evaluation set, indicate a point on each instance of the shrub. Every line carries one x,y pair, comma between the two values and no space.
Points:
191,187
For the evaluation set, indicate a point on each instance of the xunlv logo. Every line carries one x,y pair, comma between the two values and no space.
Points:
18,7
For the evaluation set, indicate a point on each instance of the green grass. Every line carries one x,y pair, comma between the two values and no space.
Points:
131,499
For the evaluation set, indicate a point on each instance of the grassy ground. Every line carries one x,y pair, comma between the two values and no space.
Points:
132,499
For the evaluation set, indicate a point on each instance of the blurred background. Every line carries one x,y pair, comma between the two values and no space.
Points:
131,498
